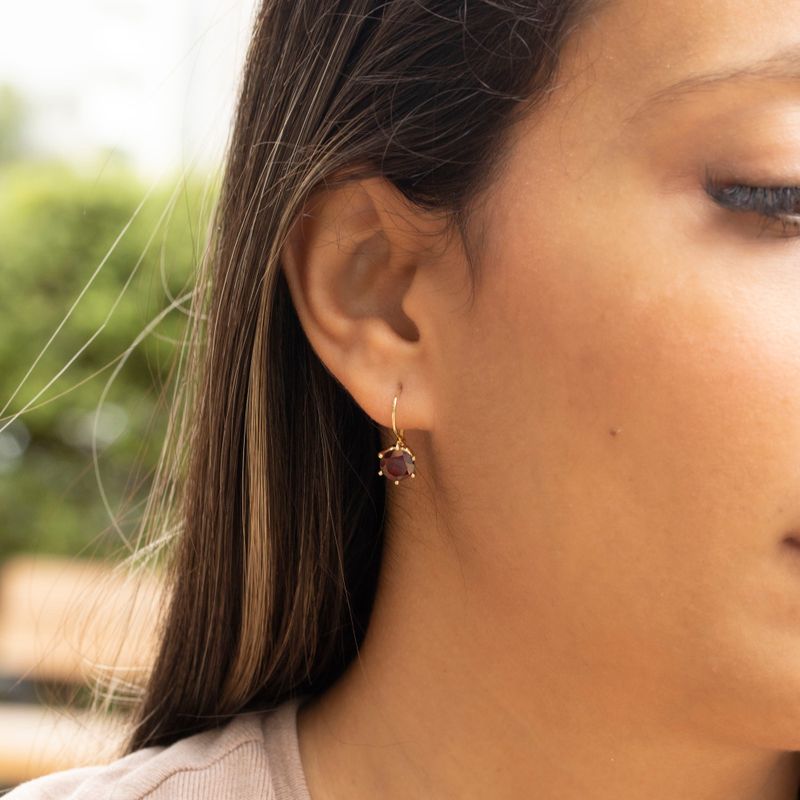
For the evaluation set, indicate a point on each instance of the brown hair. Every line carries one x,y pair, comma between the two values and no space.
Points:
269,474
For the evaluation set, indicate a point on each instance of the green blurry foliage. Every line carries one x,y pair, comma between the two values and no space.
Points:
57,226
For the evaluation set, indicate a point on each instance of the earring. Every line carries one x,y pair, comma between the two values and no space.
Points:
397,462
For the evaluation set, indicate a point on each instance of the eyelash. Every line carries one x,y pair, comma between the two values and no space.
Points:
773,203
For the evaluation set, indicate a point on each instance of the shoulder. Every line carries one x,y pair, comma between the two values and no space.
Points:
229,761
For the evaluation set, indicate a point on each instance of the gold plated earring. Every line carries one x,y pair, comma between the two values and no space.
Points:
397,462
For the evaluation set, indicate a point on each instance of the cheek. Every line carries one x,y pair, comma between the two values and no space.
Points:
667,381
637,427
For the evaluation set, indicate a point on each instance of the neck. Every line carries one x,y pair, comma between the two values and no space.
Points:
450,700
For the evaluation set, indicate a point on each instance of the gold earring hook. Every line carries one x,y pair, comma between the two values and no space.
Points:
394,415
394,424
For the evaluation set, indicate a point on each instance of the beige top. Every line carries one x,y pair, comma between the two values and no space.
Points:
252,757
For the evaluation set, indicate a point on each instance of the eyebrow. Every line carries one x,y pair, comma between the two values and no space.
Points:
783,65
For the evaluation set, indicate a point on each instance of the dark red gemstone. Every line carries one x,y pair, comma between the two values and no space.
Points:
397,465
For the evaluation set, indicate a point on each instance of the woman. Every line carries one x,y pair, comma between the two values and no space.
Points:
493,457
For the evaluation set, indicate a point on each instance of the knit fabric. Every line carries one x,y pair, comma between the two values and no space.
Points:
252,757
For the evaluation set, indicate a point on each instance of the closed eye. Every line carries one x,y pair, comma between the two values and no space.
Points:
776,205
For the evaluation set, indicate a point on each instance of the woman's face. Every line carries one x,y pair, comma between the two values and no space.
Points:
619,411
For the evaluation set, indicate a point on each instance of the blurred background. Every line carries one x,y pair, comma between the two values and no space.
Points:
114,115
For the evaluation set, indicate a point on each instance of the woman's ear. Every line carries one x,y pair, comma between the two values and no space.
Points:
356,262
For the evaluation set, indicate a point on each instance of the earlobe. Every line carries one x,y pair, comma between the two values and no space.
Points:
350,261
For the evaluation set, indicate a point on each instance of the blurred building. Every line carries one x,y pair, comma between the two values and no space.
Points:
153,80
